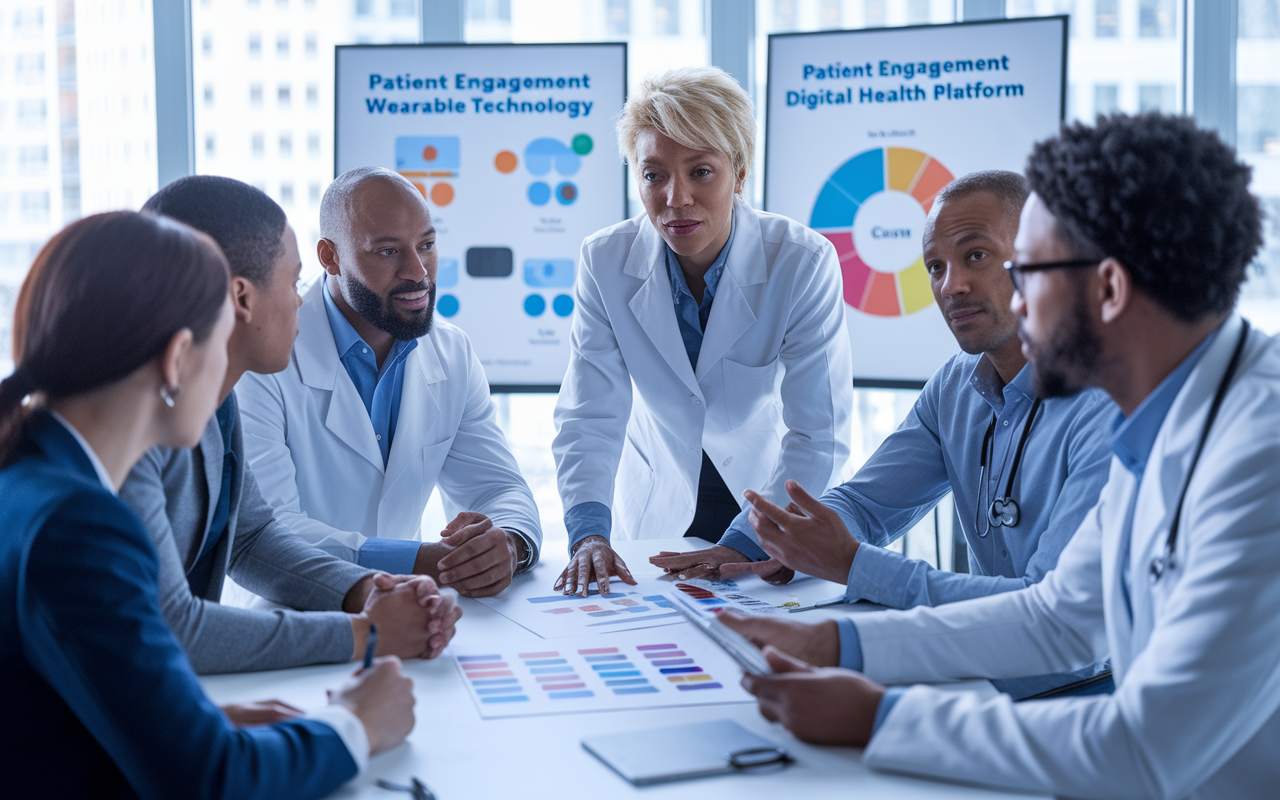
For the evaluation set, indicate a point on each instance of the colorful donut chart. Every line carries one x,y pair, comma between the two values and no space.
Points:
858,180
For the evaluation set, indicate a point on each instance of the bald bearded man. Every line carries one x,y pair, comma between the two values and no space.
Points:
382,403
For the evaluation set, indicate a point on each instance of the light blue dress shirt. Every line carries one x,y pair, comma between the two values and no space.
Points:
1133,439
937,449
379,389
595,519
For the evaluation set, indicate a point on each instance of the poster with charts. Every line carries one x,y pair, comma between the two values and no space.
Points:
551,615
673,666
863,128
512,147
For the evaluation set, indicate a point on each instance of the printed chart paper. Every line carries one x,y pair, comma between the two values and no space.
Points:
552,614
676,666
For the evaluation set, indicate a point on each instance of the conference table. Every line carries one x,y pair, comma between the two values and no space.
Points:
461,756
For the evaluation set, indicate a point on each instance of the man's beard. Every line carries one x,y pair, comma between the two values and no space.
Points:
1063,364
381,313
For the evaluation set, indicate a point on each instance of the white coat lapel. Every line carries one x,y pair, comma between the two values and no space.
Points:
419,413
732,313
320,368
653,305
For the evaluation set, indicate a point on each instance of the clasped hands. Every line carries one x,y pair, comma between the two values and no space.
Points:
473,556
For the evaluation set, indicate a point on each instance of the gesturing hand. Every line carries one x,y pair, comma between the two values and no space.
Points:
698,563
594,560
806,535
817,643
818,705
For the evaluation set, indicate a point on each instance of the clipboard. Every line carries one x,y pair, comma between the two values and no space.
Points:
680,752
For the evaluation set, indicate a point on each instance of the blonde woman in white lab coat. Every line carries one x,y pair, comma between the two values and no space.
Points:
709,351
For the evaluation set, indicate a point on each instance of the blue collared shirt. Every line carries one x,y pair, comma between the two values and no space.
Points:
595,519
1134,437
379,389
937,449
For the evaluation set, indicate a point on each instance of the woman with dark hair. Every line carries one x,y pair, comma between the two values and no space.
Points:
120,336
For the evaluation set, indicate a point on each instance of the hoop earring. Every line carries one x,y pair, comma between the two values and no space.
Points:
168,394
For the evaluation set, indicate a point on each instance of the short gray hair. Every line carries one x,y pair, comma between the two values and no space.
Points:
702,108
335,206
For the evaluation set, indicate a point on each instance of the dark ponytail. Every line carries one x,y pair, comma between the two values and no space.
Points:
104,297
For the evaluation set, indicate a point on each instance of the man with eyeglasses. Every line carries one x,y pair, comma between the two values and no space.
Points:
1130,257
1023,472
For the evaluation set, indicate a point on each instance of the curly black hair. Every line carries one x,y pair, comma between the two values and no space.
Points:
1168,200
243,220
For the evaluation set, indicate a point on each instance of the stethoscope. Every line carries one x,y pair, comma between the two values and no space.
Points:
1163,563
1003,512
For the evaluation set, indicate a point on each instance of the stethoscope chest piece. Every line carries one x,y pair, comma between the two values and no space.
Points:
1004,512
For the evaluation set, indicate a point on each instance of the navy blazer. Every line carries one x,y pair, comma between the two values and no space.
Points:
99,699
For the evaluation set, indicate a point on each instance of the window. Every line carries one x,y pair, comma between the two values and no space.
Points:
34,208
313,145
282,45
28,23
1258,142
206,45
258,145
313,95
255,95
1259,19
404,8
284,96
618,17
313,193
286,145
32,114
208,95
1106,98
286,194
876,14
1156,19
918,11
1157,97
29,67
1106,19
310,45
33,160
364,8
210,148
666,17
255,45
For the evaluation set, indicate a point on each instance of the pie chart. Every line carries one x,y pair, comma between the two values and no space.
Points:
873,209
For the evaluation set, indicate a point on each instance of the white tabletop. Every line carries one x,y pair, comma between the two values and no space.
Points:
463,757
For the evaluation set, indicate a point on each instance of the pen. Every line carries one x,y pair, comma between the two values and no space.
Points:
371,646
830,601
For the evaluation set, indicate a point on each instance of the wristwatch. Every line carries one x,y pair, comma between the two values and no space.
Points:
527,560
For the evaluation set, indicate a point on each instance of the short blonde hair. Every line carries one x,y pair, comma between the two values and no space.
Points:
702,108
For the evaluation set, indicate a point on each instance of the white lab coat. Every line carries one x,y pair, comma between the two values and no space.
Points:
1197,687
313,451
771,398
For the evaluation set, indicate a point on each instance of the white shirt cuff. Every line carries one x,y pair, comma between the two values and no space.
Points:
349,728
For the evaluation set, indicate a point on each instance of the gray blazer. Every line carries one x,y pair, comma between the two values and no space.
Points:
175,492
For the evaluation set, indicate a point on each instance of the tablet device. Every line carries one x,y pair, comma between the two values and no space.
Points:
735,644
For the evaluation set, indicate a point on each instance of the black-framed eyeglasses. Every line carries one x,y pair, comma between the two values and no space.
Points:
1017,271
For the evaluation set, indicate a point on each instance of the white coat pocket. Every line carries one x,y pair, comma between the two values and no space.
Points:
747,390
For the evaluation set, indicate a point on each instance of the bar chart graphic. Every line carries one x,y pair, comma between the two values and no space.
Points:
677,666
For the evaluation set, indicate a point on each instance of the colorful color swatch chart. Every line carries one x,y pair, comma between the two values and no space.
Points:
674,667
552,615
